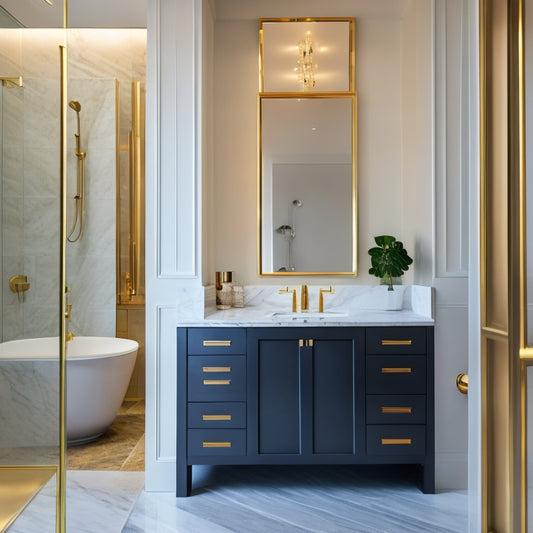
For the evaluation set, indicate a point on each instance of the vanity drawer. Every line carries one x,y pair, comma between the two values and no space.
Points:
396,409
217,378
217,442
387,374
217,415
396,440
396,340
207,341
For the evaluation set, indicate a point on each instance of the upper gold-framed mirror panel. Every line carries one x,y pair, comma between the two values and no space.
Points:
307,55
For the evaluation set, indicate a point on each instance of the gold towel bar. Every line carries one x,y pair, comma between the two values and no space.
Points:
395,441
217,343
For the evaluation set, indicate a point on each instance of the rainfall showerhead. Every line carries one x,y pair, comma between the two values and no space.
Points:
74,104
297,203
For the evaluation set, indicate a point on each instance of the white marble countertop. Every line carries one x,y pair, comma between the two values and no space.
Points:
348,306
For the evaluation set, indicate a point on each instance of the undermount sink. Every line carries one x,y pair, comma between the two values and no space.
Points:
308,317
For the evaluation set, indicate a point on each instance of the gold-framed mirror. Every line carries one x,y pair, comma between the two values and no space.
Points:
307,171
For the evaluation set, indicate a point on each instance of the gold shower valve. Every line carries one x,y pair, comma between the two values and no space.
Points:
19,284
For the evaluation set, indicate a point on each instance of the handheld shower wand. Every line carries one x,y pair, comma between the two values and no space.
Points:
79,198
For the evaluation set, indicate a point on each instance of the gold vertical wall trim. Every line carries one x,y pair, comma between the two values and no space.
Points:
522,246
118,287
483,251
62,481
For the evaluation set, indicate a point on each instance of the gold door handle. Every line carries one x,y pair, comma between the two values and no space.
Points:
217,381
393,342
216,417
407,410
216,369
217,343
462,383
396,441
396,370
217,444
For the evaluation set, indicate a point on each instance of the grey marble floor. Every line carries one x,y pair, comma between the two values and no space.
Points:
333,499
96,502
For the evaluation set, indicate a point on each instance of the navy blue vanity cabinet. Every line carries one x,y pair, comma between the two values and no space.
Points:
211,407
399,398
305,395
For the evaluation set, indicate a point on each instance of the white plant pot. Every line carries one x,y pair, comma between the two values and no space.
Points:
392,300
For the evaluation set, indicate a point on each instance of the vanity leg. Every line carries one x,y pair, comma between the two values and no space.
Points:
183,480
428,478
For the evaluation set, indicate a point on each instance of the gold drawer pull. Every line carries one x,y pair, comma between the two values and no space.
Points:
393,342
217,381
217,444
395,441
217,343
397,410
216,369
396,370
216,417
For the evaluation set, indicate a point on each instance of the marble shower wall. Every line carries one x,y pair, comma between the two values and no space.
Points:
102,65
30,181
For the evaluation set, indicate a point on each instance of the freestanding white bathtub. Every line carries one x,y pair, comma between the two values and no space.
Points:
98,372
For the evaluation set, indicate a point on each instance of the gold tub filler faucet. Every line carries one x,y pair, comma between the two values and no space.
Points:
19,284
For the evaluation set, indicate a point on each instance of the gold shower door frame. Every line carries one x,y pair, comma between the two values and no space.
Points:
504,351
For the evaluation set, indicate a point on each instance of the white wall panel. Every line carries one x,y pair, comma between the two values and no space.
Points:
451,140
173,212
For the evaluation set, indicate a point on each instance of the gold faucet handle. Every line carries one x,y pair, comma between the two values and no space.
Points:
294,301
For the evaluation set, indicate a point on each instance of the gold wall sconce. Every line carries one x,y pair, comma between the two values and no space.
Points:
19,284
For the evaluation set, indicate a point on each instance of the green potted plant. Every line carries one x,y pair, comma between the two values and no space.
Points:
389,259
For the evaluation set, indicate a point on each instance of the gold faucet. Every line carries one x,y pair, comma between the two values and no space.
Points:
321,298
294,302
304,299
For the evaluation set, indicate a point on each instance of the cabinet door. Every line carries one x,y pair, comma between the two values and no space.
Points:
278,396
333,396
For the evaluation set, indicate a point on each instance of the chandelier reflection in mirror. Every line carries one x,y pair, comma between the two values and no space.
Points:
305,67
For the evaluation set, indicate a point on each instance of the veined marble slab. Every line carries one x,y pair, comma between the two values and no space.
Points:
356,305
96,501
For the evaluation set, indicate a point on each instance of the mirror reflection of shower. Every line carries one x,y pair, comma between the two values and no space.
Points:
289,233
80,192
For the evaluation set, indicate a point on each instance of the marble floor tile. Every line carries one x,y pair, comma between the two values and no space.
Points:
96,502
121,447
333,499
